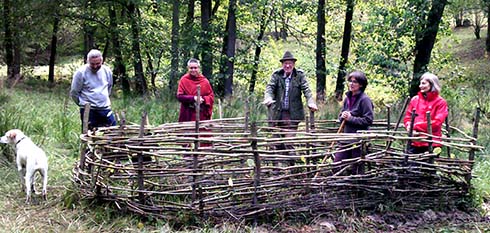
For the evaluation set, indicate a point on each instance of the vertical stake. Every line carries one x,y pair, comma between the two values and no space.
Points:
410,134
86,112
257,167
141,178
448,135
429,130
471,154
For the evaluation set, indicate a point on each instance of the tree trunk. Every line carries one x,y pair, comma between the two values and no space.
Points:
459,18
284,26
477,32
88,32
206,35
187,35
266,16
150,69
320,52
276,33
228,60
215,7
17,59
119,73
339,88
424,45
174,64
478,24
54,40
88,39
8,39
140,86
487,41
107,46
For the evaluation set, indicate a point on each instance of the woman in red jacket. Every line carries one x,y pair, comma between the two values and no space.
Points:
187,94
427,100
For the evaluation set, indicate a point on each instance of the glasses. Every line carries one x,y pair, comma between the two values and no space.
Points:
353,81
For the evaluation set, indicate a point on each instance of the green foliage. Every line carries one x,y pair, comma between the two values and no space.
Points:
481,182
382,46
10,118
163,108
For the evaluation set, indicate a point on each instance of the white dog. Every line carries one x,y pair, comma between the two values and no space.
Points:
30,158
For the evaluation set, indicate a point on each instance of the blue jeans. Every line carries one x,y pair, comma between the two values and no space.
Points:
99,118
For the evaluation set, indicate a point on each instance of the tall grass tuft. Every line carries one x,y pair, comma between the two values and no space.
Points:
10,117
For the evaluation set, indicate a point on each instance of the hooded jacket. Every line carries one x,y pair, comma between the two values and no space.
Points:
438,112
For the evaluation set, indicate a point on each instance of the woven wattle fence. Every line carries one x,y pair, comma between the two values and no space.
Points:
231,168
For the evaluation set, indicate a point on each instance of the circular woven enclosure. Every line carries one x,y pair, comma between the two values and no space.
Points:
229,168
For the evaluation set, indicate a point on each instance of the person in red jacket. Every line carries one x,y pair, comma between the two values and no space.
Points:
187,94
426,100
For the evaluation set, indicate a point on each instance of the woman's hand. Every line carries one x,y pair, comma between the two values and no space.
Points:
345,115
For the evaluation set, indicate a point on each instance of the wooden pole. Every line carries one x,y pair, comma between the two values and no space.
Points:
308,145
198,109
388,117
410,134
141,178
247,113
257,168
476,122
195,160
220,111
360,168
400,117
312,121
448,135
429,130
471,154
86,113
122,122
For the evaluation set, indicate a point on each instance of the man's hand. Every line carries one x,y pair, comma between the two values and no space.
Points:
267,102
313,107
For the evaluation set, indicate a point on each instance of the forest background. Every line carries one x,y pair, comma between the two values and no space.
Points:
239,42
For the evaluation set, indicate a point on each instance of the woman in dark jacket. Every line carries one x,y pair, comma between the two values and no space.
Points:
357,112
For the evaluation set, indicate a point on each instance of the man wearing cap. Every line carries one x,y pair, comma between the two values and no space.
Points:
283,94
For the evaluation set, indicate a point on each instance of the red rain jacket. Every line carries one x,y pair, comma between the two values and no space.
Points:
438,113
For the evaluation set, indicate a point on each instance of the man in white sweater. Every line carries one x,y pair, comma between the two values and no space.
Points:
92,84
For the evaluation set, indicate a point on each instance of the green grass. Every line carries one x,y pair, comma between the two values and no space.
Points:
50,118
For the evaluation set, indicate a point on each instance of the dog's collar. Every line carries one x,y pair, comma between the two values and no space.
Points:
19,140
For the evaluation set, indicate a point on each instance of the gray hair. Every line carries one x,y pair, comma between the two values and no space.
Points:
193,60
433,80
94,53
